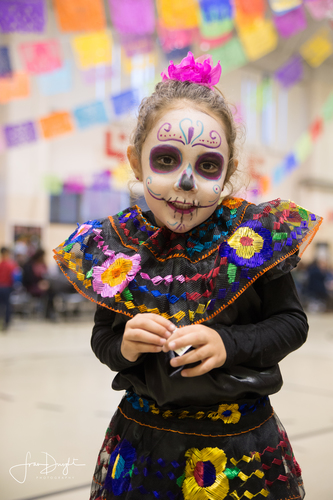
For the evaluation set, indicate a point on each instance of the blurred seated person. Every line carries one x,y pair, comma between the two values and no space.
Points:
7,271
36,282
317,292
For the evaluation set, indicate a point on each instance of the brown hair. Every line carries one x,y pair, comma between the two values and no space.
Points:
167,95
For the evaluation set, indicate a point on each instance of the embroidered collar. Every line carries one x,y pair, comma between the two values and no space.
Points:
127,264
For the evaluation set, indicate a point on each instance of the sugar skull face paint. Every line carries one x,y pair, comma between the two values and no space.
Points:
183,167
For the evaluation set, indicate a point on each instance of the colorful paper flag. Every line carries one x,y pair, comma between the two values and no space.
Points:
23,133
133,16
125,102
56,82
282,6
98,73
316,128
5,66
14,87
178,15
74,185
138,63
291,23
121,176
91,114
252,10
207,43
56,124
2,141
22,16
320,9
216,20
231,55
327,109
137,44
175,39
41,57
318,48
93,49
80,15
259,38
303,147
291,72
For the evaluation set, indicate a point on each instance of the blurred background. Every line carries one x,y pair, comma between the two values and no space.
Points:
72,73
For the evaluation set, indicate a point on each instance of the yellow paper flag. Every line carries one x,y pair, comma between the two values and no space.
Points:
14,87
317,48
93,49
178,14
121,176
282,5
259,38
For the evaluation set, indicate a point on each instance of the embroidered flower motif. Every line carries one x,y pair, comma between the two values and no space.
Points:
198,70
250,245
228,413
115,273
137,402
120,468
81,233
204,476
232,202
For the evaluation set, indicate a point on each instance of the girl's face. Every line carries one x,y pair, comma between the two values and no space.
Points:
184,163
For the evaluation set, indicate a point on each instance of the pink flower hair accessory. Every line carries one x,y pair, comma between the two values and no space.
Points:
200,70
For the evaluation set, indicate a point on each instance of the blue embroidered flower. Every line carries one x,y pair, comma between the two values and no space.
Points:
250,245
120,468
81,233
138,403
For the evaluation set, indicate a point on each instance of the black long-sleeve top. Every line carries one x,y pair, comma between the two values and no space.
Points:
264,324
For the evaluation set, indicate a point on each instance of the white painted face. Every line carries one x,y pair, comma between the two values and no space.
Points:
184,163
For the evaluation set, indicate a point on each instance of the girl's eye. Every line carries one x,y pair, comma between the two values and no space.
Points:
164,159
209,167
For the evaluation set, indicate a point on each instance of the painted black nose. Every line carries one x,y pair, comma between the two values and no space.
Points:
186,182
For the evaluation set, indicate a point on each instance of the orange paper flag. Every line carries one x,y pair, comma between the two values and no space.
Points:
178,14
80,15
14,87
252,10
56,124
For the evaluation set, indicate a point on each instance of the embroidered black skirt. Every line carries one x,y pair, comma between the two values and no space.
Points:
229,451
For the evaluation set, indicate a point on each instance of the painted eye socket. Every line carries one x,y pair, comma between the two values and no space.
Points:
210,166
164,159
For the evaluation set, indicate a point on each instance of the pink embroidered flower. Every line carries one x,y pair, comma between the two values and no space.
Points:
115,273
198,70
83,229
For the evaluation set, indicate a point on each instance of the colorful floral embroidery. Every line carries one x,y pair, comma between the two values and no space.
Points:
81,233
232,202
115,273
120,468
204,477
228,413
137,402
250,245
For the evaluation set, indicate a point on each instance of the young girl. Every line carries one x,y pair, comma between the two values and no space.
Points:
199,269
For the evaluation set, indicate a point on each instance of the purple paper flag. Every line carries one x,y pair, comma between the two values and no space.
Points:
22,16
291,72
5,66
137,44
133,16
291,23
20,134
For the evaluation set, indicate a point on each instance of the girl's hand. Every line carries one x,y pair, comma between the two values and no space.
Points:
209,349
145,333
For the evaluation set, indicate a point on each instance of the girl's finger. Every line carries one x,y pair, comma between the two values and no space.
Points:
204,367
142,347
193,339
150,325
143,336
192,357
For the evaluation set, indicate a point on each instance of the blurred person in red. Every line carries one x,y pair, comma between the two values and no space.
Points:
7,270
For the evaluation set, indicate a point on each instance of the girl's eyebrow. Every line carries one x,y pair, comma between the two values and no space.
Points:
210,153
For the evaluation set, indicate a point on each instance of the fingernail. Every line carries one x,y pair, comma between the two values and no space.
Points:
184,374
168,334
172,345
163,341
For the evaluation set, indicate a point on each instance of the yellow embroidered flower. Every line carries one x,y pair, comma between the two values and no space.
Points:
246,242
117,272
113,276
204,477
228,413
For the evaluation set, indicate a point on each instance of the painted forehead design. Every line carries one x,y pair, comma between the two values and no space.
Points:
189,134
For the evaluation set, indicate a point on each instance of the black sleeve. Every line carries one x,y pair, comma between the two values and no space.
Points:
283,328
106,339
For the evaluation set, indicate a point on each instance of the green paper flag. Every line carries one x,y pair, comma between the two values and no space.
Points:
53,184
216,29
303,147
231,55
327,109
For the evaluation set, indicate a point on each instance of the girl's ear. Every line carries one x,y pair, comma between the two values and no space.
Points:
134,162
